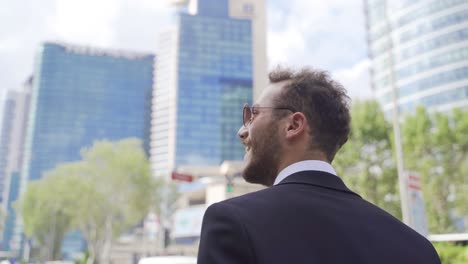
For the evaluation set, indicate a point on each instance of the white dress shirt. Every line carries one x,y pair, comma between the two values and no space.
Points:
305,165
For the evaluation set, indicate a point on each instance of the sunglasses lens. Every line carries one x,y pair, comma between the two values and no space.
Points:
246,115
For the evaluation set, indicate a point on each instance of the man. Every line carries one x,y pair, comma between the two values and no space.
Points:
308,215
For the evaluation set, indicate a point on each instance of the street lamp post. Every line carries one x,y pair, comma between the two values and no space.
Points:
396,126
229,169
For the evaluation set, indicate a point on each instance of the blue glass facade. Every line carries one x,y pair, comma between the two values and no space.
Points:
8,115
11,214
81,95
423,45
11,150
215,80
213,8
7,122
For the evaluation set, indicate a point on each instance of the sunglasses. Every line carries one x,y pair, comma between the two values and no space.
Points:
249,112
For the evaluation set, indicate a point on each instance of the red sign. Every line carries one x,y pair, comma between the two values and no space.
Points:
414,182
181,177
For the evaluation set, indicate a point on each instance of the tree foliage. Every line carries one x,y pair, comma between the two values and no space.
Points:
452,254
365,161
436,147
103,195
45,210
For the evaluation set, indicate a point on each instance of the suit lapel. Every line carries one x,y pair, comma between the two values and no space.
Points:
317,178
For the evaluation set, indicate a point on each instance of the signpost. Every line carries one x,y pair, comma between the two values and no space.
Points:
417,212
231,169
181,177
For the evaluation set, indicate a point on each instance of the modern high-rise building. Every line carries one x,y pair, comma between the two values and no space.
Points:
208,66
16,109
81,95
7,120
419,47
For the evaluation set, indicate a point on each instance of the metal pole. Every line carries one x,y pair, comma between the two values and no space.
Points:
396,126
50,253
27,250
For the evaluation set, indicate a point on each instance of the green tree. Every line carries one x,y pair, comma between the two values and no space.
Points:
366,162
460,128
45,209
102,196
435,146
121,192
452,254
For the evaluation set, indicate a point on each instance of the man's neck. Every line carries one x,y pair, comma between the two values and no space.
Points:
292,158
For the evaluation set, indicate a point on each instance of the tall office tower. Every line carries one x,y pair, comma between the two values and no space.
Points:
204,74
6,125
254,10
421,49
16,111
81,95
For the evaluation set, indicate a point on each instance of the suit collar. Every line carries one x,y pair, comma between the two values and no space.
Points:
317,178
304,165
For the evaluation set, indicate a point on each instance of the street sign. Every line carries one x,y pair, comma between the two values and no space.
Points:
188,221
181,177
417,212
151,225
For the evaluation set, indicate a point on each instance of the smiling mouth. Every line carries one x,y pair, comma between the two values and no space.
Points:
247,149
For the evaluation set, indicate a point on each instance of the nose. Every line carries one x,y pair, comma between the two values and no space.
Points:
243,133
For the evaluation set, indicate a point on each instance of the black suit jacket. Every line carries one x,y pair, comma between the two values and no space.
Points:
310,217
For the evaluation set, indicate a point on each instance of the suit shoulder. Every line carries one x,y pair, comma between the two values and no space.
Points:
248,199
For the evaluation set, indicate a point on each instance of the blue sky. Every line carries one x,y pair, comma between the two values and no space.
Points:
329,34
324,34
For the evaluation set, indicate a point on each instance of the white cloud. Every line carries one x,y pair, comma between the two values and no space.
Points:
324,34
121,24
356,80
285,46
329,35
8,43
140,23
115,24
86,20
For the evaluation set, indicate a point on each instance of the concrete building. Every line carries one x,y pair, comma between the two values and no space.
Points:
211,184
421,49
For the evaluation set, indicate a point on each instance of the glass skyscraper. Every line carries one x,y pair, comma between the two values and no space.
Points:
5,138
81,95
16,110
420,47
5,135
204,75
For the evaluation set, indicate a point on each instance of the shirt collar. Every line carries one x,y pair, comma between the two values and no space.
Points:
305,165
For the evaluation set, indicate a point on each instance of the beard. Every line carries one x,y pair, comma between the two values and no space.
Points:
265,151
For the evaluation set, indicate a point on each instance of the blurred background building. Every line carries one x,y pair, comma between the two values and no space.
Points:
208,66
421,49
212,184
211,62
16,109
80,95
185,107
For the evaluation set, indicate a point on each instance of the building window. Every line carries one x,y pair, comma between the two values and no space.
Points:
248,8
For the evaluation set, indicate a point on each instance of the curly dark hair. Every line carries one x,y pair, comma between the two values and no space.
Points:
322,100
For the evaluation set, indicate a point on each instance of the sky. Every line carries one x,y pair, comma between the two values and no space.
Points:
329,35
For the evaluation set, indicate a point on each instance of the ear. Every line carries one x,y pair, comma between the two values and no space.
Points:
297,125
